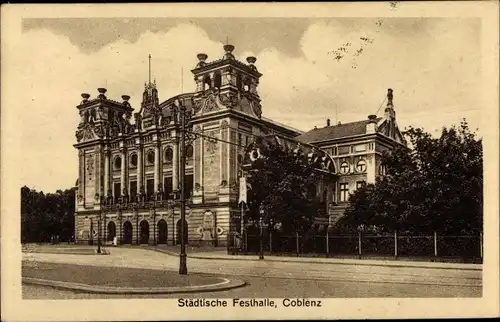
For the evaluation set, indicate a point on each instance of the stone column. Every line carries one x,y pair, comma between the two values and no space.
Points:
123,169
157,166
139,168
175,163
106,172
81,177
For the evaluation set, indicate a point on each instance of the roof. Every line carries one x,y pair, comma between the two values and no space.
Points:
308,153
335,132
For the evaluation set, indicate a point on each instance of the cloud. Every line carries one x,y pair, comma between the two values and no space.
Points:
433,79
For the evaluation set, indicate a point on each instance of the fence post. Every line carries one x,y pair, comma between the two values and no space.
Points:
435,244
297,244
359,244
396,244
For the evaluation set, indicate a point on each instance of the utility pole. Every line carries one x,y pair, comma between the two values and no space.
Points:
182,170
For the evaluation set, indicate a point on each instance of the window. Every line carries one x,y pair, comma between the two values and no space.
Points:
150,188
359,148
382,170
189,151
344,192
133,160
217,80
361,166
343,150
116,189
118,162
169,154
133,189
344,167
247,138
240,139
207,83
333,151
188,189
168,186
360,184
151,157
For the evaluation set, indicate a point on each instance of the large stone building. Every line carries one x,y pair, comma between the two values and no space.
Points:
129,173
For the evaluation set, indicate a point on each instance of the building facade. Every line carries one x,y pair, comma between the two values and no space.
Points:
357,150
128,183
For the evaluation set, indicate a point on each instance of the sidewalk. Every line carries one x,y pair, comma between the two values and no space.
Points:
222,255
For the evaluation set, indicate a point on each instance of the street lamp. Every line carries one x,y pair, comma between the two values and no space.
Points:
182,259
261,222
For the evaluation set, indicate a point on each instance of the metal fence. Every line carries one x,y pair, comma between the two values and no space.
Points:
463,247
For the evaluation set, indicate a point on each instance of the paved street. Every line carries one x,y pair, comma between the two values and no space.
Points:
284,279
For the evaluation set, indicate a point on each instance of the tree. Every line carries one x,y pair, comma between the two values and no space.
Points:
283,185
44,215
434,185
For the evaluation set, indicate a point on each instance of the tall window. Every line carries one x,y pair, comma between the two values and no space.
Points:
344,191
150,188
240,139
167,186
360,184
133,190
188,189
117,189
344,167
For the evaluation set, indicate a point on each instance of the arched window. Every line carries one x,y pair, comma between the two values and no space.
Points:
217,80
246,84
207,82
118,162
361,166
169,154
133,160
111,115
344,167
151,157
239,83
189,151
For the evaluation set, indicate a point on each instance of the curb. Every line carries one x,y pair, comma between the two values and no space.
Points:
226,284
361,261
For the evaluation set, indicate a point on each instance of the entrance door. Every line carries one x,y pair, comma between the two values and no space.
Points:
179,233
111,230
162,231
144,232
127,232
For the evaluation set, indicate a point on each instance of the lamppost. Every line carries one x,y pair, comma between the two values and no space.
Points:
101,210
261,223
182,262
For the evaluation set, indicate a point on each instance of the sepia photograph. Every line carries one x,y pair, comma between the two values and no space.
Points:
250,161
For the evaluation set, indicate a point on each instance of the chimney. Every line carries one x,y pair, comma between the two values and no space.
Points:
371,126
102,91
328,122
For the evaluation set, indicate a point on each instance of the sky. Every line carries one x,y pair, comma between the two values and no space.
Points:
432,64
